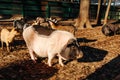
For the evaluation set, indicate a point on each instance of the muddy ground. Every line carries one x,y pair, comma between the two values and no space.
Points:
100,61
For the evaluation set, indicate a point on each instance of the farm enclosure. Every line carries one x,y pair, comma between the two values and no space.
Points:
101,60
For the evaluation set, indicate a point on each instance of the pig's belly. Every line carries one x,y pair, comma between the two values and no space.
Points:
40,50
39,46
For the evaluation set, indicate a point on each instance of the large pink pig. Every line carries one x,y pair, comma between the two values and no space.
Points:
49,43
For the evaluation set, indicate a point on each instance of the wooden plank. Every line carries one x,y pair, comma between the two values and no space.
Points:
43,3
35,7
10,6
10,12
43,8
32,7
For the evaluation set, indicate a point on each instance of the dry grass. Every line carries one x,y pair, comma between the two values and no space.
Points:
101,60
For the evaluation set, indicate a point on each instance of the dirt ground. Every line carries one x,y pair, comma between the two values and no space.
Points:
100,61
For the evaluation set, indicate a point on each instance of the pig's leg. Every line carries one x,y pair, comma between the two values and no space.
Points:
50,57
33,57
31,52
60,61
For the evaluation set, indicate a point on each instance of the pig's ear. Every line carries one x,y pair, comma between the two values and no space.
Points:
69,43
72,42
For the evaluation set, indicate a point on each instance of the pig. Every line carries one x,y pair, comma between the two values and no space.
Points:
45,42
110,29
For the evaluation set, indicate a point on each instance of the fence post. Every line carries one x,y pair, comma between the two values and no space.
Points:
48,10
23,9
69,12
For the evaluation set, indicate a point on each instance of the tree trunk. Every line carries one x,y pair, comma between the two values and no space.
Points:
99,12
83,18
107,11
104,2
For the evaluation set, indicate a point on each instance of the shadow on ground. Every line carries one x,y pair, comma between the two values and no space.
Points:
85,40
16,45
91,54
108,71
27,70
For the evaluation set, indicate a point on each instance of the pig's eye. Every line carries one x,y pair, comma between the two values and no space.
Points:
73,47
69,45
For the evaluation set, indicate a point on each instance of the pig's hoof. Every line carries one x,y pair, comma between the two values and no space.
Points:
62,64
34,61
49,65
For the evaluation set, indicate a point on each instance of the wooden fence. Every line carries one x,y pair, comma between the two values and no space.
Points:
45,8
23,7
62,9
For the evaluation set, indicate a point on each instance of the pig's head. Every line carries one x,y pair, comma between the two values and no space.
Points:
109,29
71,50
